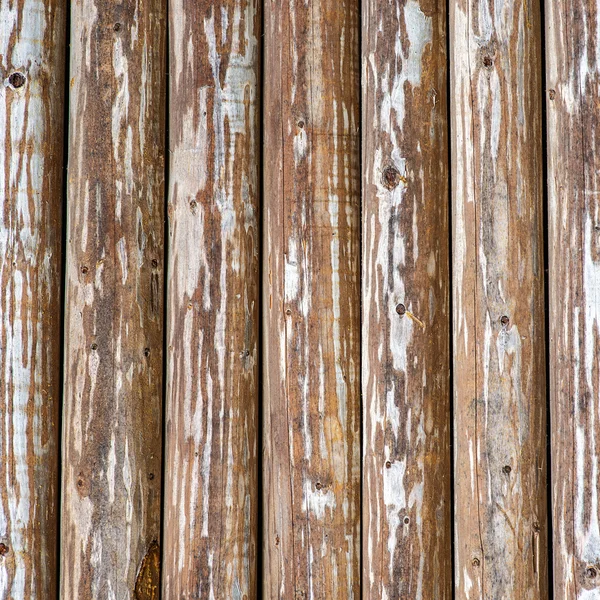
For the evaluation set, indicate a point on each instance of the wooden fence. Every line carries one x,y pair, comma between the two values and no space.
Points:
300,299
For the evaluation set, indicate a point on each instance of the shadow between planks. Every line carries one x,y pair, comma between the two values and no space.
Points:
293,293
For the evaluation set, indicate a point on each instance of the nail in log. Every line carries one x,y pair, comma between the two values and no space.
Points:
407,550
498,300
311,300
213,294
32,67
573,75
114,309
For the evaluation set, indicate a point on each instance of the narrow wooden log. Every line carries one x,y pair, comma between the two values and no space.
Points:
498,300
311,300
213,294
32,54
573,95
407,549
114,302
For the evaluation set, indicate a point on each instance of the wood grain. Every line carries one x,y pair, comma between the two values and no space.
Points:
32,54
498,300
573,75
112,442
311,301
407,550
213,294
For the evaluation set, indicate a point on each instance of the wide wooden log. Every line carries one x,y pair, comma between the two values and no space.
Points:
112,434
573,149
407,551
211,502
311,300
32,68
498,300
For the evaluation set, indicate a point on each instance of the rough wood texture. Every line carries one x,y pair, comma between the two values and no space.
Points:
311,300
114,299
32,47
213,293
498,300
573,95
407,550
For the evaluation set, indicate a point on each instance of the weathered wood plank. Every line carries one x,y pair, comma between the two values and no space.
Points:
498,300
407,550
573,77
311,300
114,301
211,499
32,54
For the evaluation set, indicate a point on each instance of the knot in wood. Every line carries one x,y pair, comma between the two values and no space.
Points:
488,62
3,549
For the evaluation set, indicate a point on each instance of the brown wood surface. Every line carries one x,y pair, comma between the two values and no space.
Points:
32,59
407,551
498,300
311,301
112,442
213,296
573,129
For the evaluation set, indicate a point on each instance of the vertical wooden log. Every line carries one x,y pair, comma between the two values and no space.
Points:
114,301
498,298
32,54
573,77
311,300
213,293
407,549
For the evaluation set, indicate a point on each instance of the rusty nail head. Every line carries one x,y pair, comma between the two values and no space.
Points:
117,27
591,572
401,309
504,320
552,94
150,476
94,346
487,62
154,262
16,79
406,520
319,485
476,562
391,178
84,269
506,469
388,465
3,549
